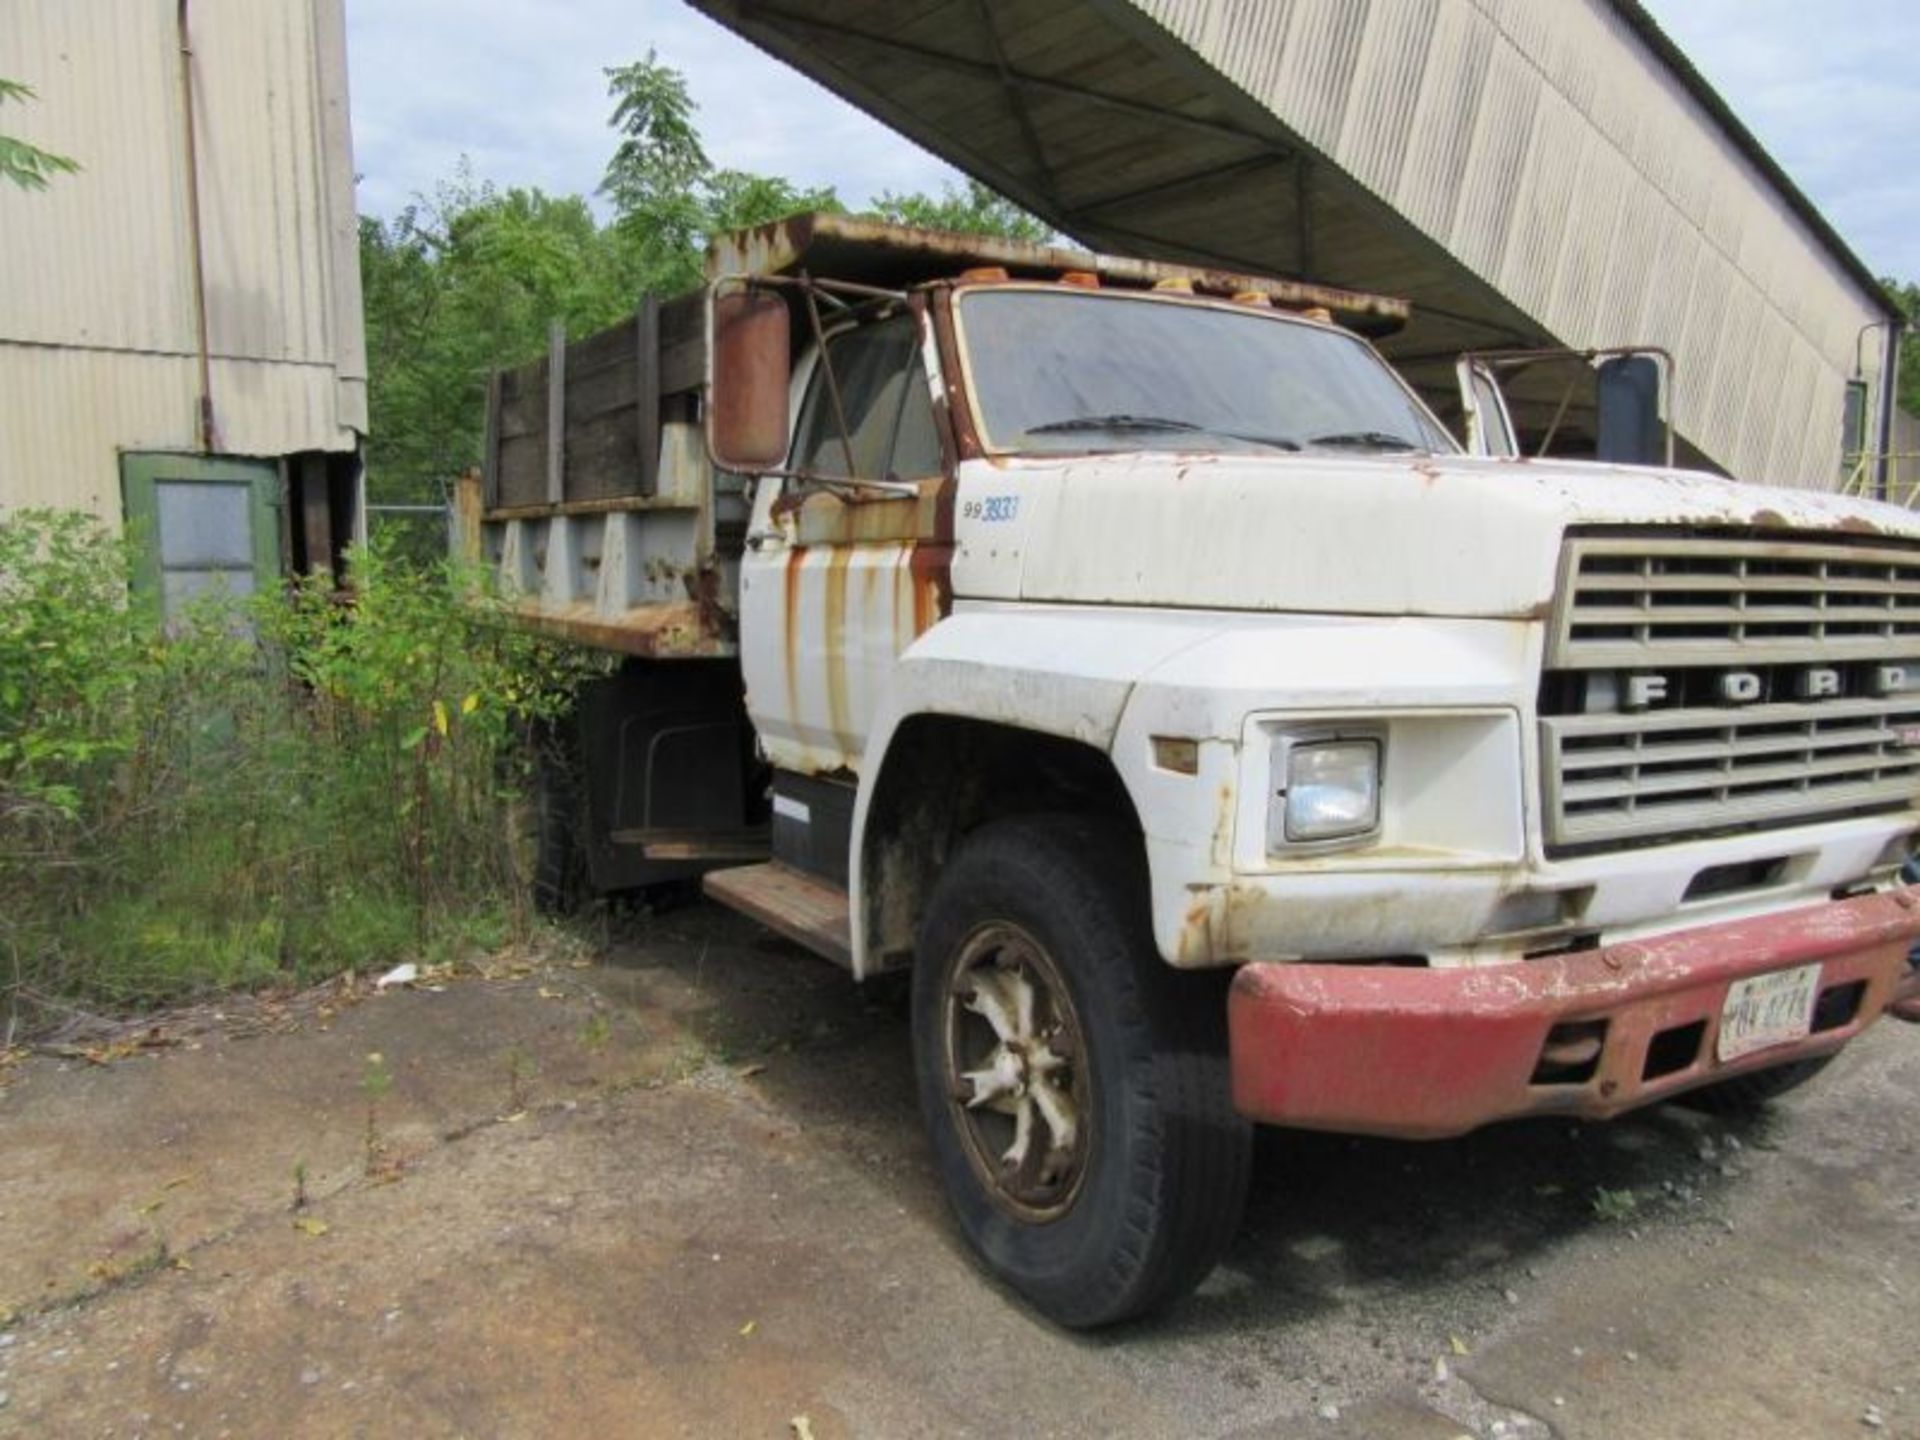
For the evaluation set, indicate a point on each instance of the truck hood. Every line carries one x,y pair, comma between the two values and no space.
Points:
1400,535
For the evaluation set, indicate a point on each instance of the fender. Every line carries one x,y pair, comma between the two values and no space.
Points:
1205,828
1061,670
1112,678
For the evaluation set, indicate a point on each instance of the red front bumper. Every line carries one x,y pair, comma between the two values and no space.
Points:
1387,1050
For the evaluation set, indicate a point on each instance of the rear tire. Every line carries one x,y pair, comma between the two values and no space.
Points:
1744,1094
1037,988
558,872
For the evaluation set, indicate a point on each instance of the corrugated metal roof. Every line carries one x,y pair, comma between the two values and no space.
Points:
1670,54
1524,172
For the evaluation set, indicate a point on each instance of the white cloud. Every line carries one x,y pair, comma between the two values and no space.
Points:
1831,91
518,88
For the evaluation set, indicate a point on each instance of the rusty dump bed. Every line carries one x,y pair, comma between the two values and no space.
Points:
596,508
873,252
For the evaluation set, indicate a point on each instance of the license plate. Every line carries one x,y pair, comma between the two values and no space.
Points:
1768,1010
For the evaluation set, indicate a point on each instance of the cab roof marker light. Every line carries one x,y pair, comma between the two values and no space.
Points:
1174,285
984,275
1081,279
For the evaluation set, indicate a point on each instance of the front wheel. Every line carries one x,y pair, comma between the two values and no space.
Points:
1075,1087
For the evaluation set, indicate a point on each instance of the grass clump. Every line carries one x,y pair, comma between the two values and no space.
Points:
1616,1207
261,792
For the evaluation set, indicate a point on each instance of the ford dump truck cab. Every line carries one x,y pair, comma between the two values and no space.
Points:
1129,652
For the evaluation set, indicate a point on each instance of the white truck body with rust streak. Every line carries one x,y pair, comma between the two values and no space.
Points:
1203,596
1501,787
1114,597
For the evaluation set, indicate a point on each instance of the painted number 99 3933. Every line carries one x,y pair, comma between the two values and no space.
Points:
992,510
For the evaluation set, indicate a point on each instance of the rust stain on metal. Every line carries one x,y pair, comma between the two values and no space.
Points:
1196,945
964,441
931,566
1859,525
790,629
703,588
946,498
657,631
1222,826
788,501
911,256
834,650
899,598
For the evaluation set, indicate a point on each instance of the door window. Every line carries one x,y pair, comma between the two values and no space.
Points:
883,389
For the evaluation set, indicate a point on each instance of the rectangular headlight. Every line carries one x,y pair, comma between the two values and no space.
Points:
1331,791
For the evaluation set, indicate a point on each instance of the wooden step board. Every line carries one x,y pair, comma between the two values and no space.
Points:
808,911
728,845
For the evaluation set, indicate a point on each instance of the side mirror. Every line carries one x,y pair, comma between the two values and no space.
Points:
749,369
1628,421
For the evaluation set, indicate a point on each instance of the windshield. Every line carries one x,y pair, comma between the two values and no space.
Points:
1073,371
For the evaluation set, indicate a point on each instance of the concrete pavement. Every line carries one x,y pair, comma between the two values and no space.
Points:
682,1192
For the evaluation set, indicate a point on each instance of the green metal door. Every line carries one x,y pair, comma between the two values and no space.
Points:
200,524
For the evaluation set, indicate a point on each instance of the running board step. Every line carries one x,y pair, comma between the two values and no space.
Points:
730,845
810,912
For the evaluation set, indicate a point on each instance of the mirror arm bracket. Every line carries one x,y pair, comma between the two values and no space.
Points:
826,369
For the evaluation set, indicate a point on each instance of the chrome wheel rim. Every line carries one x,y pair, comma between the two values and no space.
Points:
1017,1082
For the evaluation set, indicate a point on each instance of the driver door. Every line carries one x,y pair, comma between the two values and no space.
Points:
835,584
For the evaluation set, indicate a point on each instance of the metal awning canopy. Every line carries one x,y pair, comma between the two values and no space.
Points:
1100,118
1104,126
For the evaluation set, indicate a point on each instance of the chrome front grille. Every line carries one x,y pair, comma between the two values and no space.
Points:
1633,601
1699,684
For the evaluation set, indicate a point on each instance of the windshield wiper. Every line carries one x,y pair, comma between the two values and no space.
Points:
1155,422
1366,439
1113,422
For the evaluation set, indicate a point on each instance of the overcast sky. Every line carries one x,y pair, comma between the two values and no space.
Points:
1830,87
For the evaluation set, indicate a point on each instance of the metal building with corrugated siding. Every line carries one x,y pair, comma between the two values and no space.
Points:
181,339
1527,173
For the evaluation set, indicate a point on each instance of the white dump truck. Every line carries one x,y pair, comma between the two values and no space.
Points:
1129,652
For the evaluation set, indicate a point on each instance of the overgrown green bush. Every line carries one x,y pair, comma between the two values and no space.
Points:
269,791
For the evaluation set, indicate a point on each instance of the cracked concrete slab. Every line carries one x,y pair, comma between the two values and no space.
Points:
702,1207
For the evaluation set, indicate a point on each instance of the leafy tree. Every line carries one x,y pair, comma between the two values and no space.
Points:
462,283
736,199
667,197
656,177
28,166
970,208
457,286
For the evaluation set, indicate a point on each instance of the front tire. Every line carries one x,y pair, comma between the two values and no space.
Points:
1074,1086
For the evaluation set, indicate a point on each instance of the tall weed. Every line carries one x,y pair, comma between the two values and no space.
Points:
268,791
